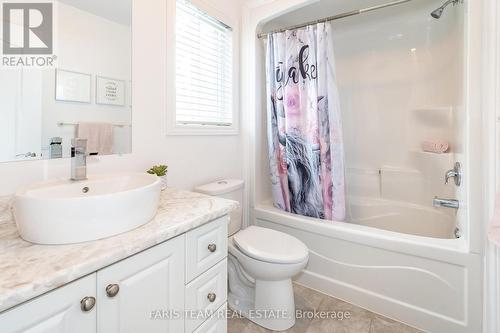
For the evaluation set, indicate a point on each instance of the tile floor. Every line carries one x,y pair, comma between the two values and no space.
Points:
360,321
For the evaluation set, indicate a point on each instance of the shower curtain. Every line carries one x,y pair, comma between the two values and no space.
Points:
304,125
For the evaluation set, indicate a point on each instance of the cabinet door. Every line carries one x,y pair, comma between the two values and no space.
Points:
150,294
58,311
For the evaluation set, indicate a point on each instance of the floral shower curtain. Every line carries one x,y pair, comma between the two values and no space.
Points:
304,125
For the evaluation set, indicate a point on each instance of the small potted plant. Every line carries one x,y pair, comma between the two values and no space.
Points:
160,171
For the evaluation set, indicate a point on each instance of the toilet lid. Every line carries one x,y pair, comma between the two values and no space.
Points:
270,245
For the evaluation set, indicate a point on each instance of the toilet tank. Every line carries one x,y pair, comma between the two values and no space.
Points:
228,189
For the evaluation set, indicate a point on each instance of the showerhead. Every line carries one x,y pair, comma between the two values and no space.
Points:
438,12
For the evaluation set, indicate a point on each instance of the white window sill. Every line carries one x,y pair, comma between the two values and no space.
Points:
201,130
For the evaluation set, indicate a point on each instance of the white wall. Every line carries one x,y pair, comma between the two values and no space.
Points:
491,80
192,159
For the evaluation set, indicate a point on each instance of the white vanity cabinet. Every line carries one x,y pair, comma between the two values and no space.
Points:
157,290
59,311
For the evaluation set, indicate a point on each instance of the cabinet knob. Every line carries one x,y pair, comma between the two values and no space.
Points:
112,290
211,297
87,303
212,247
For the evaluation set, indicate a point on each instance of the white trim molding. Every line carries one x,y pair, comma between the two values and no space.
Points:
491,111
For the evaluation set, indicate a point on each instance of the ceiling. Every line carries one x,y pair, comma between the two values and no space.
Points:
119,11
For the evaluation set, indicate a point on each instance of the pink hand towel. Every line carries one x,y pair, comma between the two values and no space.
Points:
494,228
435,146
99,137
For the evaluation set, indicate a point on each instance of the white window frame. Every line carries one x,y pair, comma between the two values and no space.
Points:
172,127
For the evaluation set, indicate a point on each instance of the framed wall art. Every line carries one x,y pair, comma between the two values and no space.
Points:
110,91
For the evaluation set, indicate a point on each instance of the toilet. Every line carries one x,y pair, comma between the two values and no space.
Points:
261,265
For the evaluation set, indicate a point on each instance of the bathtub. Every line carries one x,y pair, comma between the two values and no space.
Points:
396,259
402,217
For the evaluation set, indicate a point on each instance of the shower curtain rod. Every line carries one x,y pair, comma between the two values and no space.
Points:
336,17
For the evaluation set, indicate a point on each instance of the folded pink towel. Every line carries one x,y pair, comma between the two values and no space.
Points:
435,146
99,137
494,227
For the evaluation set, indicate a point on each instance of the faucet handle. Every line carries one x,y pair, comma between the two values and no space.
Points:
455,173
449,174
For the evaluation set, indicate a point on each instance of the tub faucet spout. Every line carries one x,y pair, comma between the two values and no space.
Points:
448,203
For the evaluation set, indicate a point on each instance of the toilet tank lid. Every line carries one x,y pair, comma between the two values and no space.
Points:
222,186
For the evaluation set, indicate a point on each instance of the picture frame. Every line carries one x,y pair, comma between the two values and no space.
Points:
110,91
72,86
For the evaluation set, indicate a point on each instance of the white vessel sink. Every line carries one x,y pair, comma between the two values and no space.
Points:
65,211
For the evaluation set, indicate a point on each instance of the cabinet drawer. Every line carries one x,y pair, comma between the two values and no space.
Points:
216,324
205,294
205,246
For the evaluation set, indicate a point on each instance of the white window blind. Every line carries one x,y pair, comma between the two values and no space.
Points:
204,68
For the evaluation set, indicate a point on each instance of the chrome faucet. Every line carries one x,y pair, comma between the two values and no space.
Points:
78,159
448,203
455,173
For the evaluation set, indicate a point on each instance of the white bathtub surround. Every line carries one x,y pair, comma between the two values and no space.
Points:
28,270
64,211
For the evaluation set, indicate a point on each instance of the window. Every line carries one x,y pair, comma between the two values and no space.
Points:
203,70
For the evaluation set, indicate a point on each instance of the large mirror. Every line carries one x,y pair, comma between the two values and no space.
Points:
84,93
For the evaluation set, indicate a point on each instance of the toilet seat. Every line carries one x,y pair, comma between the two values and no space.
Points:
270,246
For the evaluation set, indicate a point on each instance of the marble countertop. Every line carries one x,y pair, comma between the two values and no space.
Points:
28,270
